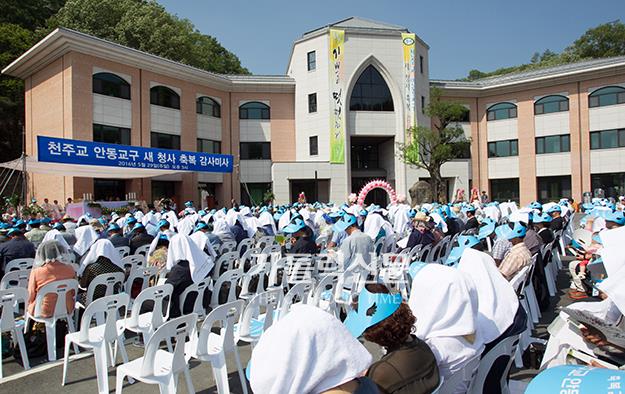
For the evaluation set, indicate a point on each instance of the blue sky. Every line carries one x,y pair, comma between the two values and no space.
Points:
462,34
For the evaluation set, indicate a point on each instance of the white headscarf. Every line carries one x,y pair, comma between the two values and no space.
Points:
85,237
614,263
201,240
102,247
497,301
266,218
373,223
441,301
181,247
221,229
55,234
308,351
284,220
401,220
185,226
49,251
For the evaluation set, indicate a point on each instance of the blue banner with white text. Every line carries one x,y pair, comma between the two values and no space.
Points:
60,150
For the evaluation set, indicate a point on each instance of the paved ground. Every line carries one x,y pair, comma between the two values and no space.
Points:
46,377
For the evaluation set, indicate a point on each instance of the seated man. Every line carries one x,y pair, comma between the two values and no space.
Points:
518,256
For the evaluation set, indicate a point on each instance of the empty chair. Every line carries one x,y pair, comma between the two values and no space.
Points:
277,276
257,271
229,279
13,279
246,260
158,366
270,249
264,241
123,251
297,294
198,289
9,301
228,246
59,289
257,316
19,264
414,252
424,252
143,250
147,322
101,336
225,262
213,346
133,261
244,246
102,286
504,349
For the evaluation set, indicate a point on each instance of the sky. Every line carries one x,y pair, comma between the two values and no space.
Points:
462,35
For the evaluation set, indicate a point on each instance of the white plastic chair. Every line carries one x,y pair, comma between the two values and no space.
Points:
270,249
143,274
424,253
248,257
226,260
231,278
146,323
264,241
414,252
297,294
253,323
123,251
133,261
14,279
274,281
467,374
258,270
244,246
162,367
323,295
101,336
19,264
9,301
506,347
199,289
60,289
228,247
111,281
212,347
378,246
143,250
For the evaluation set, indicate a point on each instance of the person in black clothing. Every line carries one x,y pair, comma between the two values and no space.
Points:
302,241
139,238
472,225
421,234
17,247
557,222
102,258
542,223
115,236
239,232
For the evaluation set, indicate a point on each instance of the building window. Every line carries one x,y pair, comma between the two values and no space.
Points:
613,184
165,141
109,189
312,103
553,144
254,110
607,139
163,189
503,148
254,193
549,104
255,151
312,60
466,116
365,157
111,134
422,104
504,189
164,97
501,111
421,63
313,146
371,93
553,188
208,106
610,95
208,146
111,85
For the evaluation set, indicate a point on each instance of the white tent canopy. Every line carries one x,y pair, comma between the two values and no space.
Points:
87,171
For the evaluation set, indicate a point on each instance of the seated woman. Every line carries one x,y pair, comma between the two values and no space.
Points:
446,312
102,258
51,264
409,365
421,234
187,264
296,357
222,231
158,258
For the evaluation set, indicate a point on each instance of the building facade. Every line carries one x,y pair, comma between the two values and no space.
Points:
536,135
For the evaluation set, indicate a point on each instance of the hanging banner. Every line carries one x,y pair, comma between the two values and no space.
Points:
337,112
60,150
408,43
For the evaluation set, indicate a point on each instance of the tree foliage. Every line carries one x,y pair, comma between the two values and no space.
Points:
606,40
147,26
430,148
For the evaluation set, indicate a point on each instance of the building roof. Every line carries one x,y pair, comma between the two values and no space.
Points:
356,22
61,41
563,70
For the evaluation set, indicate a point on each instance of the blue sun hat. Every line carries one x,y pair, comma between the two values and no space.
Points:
511,230
34,222
46,220
20,223
5,226
487,227
162,223
468,208
58,226
113,227
536,205
555,208
188,204
345,222
616,217
295,226
138,226
14,230
337,215
542,218
412,213
462,242
415,267
372,309
201,226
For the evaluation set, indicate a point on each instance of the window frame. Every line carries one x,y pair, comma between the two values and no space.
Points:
421,59
264,111
563,140
172,100
125,134
313,145
594,98
215,107
512,148
311,65
105,87
312,104
539,105
175,139
510,108
597,139
265,150
215,144
371,92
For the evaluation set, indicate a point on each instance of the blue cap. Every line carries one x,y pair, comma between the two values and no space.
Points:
555,208
542,218
20,223
337,215
58,226
469,208
597,239
112,227
372,309
202,212
138,226
13,231
295,226
511,230
616,217
131,220
277,215
536,205
46,220
162,223
201,226
33,222
4,226
188,204
462,242
345,222
412,213
487,227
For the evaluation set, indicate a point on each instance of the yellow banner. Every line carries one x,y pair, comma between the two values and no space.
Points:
408,43
337,99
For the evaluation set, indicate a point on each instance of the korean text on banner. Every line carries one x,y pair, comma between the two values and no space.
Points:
337,99
60,150
408,43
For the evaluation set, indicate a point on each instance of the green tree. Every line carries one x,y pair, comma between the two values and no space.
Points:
430,148
147,26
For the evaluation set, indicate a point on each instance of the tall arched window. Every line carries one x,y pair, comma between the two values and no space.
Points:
254,110
164,97
371,93
207,106
111,85
549,104
609,95
501,111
